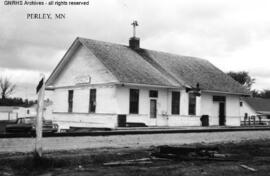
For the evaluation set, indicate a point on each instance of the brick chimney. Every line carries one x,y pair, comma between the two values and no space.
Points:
134,43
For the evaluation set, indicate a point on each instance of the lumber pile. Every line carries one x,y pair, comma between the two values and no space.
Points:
169,153
190,153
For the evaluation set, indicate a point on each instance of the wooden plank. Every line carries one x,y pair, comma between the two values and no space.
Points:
129,162
248,168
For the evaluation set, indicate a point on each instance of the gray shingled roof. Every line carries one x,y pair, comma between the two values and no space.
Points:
126,65
258,104
194,70
8,108
144,66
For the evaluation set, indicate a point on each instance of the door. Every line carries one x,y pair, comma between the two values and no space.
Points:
222,116
153,108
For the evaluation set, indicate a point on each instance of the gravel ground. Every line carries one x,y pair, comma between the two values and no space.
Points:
67,143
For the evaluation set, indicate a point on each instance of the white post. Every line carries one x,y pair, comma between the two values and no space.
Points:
134,31
134,24
40,105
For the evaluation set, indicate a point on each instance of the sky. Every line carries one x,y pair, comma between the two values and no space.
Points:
234,35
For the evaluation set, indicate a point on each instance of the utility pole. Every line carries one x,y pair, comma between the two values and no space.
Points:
40,104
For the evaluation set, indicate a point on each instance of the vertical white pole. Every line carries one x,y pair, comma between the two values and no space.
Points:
134,31
38,147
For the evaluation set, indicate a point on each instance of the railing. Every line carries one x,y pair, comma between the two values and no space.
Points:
255,121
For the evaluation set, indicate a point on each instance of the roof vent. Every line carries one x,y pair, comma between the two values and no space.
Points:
134,42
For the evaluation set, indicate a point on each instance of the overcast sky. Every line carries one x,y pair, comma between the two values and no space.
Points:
232,34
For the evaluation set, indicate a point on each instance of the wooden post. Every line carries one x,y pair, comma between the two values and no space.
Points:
40,105
245,119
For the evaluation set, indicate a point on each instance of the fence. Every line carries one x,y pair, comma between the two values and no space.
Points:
255,121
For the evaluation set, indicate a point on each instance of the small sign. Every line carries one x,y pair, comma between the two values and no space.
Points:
84,79
40,84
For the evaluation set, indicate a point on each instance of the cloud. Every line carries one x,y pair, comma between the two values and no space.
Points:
233,35
21,75
25,80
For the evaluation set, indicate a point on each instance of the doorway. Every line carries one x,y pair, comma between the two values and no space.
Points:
221,105
153,108
222,115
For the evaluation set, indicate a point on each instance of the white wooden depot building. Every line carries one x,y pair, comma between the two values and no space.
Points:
98,82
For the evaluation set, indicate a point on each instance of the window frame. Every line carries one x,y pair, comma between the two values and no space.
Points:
70,100
153,93
219,98
92,100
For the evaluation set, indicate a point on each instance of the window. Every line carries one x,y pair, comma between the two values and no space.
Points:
70,100
192,104
134,101
219,98
153,93
175,102
92,100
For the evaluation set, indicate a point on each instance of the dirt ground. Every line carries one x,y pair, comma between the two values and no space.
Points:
8,145
252,153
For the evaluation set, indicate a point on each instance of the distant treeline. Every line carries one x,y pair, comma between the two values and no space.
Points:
247,81
16,102
261,94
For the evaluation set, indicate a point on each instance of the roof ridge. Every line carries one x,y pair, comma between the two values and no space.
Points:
175,54
164,52
104,42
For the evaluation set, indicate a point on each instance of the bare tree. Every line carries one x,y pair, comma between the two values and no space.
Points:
6,87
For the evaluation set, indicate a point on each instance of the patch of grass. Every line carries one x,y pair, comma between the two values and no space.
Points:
25,165
29,164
